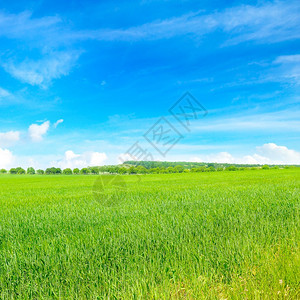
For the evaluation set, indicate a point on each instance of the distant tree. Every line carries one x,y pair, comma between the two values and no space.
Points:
114,169
30,171
231,168
141,170
276,167
265,167
67,171
199,169
53,171
211,169
40,172
179,169
76,171
122,170
170,170
102,169
163,170
3,171
13,171
48,171
84,171
154,170
110,169
132,170
94,170
219,169
21,171
58,171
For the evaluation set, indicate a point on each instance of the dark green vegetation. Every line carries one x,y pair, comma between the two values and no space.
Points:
200,235
146,167
190,165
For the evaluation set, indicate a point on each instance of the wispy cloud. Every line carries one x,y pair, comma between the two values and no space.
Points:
23,26
51,61
289,67
4,93
58,122
288,59
42,72
279,121
283,69
56,40
269,23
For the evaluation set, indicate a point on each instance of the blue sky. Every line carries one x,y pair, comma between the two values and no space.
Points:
83,81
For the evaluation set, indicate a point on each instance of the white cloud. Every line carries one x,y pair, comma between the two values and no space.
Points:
278,154
269,153
58,122
97,158
6,158
9,138
221,157
36,131
42,72
72,160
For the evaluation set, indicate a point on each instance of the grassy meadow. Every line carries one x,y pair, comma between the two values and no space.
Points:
217,235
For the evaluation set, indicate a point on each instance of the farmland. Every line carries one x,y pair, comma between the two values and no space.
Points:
165,236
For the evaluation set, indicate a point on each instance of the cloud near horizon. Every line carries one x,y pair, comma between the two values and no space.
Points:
269,153
72,160
6,158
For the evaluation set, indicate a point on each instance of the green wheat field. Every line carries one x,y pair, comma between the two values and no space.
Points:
214,235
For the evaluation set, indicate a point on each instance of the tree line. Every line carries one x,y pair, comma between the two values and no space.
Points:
127,168
188,165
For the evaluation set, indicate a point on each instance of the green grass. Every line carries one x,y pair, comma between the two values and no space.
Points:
212,235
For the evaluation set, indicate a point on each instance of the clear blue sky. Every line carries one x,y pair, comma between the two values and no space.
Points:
108,70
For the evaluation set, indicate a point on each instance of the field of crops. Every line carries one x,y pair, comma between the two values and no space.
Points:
211,235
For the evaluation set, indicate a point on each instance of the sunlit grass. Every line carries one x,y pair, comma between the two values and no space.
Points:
203,235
